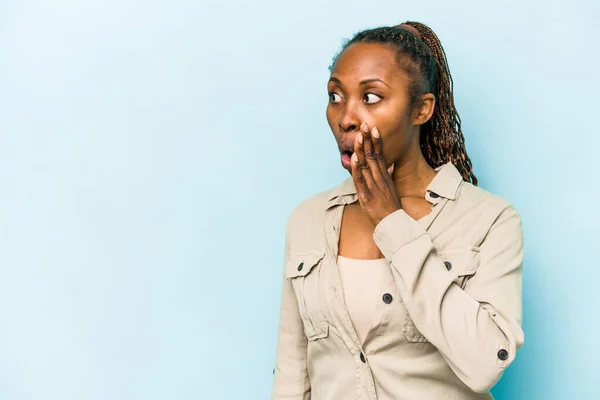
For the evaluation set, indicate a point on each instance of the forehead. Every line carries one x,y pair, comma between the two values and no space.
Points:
366,60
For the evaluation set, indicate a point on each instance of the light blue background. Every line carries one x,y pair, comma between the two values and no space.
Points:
150,153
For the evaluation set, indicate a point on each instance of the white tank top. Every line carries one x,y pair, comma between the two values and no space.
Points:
361,280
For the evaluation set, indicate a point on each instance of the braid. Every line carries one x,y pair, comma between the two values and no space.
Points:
420,54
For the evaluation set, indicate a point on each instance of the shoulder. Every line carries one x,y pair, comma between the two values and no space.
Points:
488,208
474,196
310,209
305,227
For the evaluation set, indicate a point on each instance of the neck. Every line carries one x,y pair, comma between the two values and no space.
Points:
412,175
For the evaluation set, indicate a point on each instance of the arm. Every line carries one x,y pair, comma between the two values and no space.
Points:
472,327
291,380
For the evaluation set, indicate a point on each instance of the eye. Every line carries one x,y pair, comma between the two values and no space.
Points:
334,97
372,98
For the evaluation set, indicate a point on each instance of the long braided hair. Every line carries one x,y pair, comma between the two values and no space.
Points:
421,55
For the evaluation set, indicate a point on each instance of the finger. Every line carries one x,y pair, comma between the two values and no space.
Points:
378,150
359,179
361,159
369,150
374,154
379,156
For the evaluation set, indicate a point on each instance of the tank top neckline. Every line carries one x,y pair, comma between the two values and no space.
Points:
361,260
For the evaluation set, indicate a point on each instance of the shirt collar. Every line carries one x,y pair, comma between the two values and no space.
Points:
445,184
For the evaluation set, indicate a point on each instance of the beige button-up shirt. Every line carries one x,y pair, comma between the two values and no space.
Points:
448,320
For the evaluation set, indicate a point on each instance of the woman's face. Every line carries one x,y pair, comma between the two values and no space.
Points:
368,86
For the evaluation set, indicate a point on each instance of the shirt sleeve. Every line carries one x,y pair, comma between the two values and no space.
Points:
476,329
291,381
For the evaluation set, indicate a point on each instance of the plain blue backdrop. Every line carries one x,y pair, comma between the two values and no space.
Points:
150,153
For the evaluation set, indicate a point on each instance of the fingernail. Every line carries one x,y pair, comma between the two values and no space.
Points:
375,133
354,158
360,138
365,127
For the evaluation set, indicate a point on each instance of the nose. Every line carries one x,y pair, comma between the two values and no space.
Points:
349,120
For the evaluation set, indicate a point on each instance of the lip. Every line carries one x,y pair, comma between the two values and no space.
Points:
346,150
346,145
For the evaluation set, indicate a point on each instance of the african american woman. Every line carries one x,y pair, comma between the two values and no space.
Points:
403,282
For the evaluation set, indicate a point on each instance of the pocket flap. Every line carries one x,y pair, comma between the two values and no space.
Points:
461,262
301,264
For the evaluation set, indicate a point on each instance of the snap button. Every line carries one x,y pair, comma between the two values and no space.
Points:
503,355
434,195
387,298
362,358
448,265
300,266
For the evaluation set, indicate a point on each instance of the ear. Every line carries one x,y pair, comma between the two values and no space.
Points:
424,112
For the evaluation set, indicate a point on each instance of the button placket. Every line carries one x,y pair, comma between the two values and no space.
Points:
339,313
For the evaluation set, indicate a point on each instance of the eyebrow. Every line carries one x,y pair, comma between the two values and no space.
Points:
363,82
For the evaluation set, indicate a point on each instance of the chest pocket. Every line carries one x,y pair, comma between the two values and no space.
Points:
304,270
462,265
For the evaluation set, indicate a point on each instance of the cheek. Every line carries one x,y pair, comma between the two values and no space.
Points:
332,120
329,113
390,117
395,137
391,147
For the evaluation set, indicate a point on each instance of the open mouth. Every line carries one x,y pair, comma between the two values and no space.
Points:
346,158
346,151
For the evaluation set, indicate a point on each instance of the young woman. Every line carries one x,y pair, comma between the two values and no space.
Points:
404,282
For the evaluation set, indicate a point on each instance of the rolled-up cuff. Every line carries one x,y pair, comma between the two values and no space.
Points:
396,231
